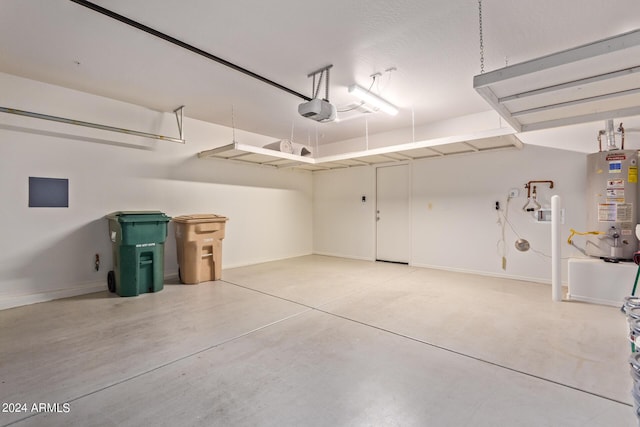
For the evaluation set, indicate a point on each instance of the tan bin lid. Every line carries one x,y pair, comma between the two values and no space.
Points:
195,218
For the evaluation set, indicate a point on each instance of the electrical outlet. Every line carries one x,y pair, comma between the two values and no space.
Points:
514,192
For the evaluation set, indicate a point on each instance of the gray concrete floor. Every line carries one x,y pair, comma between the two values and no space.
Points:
319,341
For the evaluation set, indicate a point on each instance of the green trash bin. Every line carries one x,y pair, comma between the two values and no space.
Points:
138,252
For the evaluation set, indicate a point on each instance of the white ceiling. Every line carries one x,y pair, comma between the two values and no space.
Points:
434,45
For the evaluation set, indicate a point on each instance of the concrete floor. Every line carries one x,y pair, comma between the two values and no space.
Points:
319,341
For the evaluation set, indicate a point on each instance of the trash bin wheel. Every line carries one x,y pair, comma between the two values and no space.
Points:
111,281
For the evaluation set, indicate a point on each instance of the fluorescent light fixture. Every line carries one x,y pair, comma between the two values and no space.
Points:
373,100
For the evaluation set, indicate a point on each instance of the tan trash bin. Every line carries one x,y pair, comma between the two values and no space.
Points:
199,244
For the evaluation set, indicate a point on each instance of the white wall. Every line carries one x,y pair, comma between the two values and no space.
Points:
342,224
454,220
47,253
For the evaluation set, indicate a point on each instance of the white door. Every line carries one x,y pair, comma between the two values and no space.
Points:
393,238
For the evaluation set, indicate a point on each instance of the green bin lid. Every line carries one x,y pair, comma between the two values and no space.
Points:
138,216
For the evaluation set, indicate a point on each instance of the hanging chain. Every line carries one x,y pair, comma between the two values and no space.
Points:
318,75
481,39
316,89
233,124
313,87
326,86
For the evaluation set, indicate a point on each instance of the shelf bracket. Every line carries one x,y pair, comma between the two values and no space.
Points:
179,112
99,126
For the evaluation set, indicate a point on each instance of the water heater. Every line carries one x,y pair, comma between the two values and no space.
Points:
612,204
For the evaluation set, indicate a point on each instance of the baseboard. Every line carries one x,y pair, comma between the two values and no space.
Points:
226,266
487,274
452,269
88,288
338,255
594,300
11,301
170,275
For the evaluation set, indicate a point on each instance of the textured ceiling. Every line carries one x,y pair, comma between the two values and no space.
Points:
434,46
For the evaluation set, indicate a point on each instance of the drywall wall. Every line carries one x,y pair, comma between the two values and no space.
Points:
48,253
454,220
343,224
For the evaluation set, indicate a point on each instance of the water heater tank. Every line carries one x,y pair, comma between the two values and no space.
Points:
612,203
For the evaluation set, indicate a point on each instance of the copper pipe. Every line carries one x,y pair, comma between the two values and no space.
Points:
600,133
528,186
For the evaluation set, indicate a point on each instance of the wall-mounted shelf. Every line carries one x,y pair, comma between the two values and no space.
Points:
178,113
244,153
596,81
255,155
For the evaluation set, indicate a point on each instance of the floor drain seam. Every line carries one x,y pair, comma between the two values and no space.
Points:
317,308
164,365
311,307
421,341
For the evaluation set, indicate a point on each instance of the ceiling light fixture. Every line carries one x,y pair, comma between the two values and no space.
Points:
373,100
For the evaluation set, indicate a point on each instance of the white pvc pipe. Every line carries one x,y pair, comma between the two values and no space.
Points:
556,256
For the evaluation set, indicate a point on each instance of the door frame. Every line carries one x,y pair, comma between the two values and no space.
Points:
409,164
